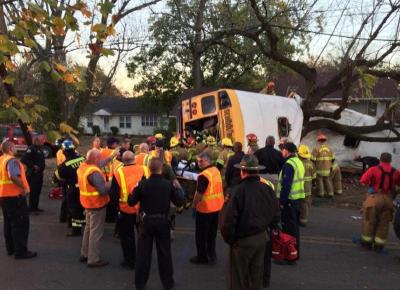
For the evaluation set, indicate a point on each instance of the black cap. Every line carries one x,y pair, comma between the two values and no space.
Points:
160,143
291,147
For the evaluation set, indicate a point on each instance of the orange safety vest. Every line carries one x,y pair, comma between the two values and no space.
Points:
140,159
108,168
90,198
128,178
213,198
60,157
167,156
7,187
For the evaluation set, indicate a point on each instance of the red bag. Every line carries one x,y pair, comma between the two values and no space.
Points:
56,193
284,246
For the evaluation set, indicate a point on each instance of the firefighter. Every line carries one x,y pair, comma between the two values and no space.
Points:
151,140
377,209
159,149
336,177
14,188
35,162
124,181
252,143
211,149
322,156
224,156
309,174
66,172
178,150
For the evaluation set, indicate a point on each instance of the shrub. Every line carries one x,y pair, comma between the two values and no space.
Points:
114,130
96,130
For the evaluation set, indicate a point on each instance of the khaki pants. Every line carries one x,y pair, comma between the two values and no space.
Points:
377,213
305,209
94,229
324,186
336,176
246,265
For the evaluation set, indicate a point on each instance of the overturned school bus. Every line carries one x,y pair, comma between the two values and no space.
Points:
234,114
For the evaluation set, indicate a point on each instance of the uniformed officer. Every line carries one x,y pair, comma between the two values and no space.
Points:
290,191
14,188
35,162
322,155
66,172
377,209
124,181
154,195
309,175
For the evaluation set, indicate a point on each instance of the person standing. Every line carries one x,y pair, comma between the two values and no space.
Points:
232,174
244,226
290,192
208,202
94,198
124,181
271,159
66,173
322,155
377,209
211,149
35,162
143,156
252,143
309,175
155,195
336,177
14,188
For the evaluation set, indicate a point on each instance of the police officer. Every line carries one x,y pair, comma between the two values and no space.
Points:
154,195
290,191
124,181
34,160
66,172
13,190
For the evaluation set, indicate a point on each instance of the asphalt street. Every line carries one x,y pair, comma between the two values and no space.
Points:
331,258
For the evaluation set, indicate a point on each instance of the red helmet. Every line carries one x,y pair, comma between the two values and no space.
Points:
321,137
151,140
251,138
271,85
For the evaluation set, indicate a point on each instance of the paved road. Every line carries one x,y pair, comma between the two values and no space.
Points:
330,259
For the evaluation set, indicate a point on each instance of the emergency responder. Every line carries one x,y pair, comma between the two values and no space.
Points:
66,172
322,156
60,158
155,195
224,155
336,177
143,156
159,149
290,192
94,199
178,150
151,140
35,162
208,201
377,209
212,149
232,174
245,223
14,188
309,175
269,89
124,181
252,143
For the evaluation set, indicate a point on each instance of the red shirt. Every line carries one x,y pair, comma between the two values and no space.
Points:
372,177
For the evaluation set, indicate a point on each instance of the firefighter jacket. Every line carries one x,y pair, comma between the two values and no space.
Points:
322,156
309,175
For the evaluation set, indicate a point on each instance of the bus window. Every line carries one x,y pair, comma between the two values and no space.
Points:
224,101
283,127
208,105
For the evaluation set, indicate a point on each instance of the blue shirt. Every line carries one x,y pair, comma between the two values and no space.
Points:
286,183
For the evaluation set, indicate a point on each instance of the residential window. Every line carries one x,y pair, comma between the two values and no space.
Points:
125,122
149,120
89,122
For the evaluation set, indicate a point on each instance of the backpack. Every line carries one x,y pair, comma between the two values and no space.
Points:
56,193
284,246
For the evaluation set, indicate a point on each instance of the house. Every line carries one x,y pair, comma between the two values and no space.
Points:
129,115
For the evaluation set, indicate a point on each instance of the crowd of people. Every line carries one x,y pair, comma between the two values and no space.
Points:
243,194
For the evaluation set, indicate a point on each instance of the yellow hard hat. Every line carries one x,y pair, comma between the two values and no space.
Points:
173,142
159,136
304,151
227,142
211,140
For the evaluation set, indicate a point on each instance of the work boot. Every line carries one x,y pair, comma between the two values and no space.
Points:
27,255
82,259
378,248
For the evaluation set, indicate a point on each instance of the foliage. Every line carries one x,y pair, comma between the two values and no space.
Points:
114,130
96,130
27,109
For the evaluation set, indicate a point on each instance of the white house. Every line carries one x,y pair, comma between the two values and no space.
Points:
127,114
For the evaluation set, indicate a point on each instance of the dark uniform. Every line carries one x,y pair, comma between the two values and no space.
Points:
34,159
67,172
154,195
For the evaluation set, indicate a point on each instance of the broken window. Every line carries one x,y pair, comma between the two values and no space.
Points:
224,101
208,105
351,141
283,127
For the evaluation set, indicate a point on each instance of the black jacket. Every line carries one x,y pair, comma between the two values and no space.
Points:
34,156
252,208
232,174
155,195
271,158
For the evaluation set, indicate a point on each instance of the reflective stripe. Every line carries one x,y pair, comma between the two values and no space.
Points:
84,192
124,188
2,182
366,239
324,158
212,196
297,186
379,241
74,161
323,172
91,193
146,171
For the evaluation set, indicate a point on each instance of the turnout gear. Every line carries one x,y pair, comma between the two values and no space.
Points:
210,140
336,177
309,175
322,156
173,142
